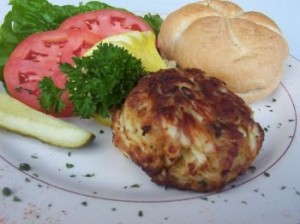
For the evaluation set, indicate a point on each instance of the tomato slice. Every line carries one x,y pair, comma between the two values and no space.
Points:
106,22
39,55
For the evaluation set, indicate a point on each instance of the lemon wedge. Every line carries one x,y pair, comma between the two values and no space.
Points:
106,121
141,45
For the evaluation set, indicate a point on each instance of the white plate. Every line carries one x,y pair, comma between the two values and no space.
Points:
105,187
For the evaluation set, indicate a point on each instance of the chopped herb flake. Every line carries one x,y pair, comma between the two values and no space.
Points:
34,156
135,186
6,191
84,203
35,174
24,167
266,174
140,214
204,198
89,175
283,187
69,165
16,199
252,169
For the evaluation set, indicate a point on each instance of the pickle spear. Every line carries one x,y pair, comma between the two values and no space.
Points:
21,119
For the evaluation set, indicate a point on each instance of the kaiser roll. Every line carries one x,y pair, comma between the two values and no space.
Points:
246,50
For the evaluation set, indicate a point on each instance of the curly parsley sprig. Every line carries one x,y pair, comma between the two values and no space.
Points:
51,97
97,83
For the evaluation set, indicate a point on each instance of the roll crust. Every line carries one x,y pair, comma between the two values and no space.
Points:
246,50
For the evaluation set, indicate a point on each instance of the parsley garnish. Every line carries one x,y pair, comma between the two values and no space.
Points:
51,100
98,82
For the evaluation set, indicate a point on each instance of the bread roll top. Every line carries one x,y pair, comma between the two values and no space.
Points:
246,50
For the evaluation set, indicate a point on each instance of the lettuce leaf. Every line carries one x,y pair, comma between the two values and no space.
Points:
154,20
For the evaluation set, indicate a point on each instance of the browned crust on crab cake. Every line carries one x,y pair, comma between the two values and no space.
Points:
187,130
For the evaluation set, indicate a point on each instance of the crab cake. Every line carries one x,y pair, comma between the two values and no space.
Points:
187,130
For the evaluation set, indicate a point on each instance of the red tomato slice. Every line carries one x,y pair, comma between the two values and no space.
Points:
38,56
106,22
